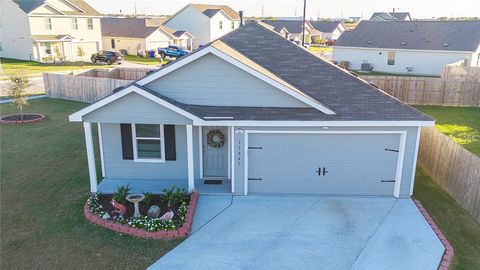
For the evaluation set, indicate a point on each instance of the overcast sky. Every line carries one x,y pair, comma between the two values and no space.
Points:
284,8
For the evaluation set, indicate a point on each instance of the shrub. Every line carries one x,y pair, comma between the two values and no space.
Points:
175,196
121,193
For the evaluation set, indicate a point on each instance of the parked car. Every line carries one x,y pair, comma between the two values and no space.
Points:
108,57
172,51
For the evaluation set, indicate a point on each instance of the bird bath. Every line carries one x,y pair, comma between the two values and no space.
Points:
135,199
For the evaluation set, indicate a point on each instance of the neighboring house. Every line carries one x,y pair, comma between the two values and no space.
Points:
139,35
329,30
38,29
236,111
205,22
390,16
416,47
292,29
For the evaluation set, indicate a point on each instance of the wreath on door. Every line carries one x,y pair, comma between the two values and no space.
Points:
215,138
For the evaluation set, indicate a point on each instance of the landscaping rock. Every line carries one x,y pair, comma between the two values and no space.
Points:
154,211
167,216
106,216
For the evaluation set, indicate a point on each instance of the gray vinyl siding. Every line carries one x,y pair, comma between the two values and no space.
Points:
407,164
211,80
134,108
117,168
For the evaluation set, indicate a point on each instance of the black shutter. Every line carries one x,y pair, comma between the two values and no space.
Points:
170,149
127,144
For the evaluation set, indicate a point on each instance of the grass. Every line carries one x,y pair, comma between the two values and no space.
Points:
461,229
44,184
377,73
143,60
13,66
462,124
316,49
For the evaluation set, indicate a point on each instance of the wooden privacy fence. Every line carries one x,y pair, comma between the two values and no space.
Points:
453,167
90,86
80,88
430,91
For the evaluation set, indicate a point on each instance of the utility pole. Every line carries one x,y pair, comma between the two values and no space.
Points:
263,10
303,25
135,9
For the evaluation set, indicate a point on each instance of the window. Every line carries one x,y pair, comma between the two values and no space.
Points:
90,24
233,25
48,47
391,58
48,23
148,142
220,25
74,24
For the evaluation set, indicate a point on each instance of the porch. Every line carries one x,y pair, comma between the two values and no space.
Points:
110,185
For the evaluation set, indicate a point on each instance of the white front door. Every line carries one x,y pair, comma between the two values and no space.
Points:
215,153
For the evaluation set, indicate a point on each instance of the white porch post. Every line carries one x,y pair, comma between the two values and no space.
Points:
191,183
200,152
92,171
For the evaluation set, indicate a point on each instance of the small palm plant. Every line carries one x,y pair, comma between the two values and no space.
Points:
17,90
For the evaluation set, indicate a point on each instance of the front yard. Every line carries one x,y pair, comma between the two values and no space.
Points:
13,66
462,124
44,184
144,60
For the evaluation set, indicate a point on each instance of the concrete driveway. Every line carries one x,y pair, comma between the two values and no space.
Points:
281,232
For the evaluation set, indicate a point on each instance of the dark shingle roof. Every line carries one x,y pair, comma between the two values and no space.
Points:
416,35
400,16
211,12
325,26
123,27
213,9
29,5
292,26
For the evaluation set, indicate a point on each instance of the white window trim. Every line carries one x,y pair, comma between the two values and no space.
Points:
88,24
74,22
135,148
48,21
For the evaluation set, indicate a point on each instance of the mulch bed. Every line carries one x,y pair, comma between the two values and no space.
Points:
16,118
106,202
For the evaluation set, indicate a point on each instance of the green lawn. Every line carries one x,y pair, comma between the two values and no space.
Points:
14,66
44,184
316,49
462,124
143,60
461,229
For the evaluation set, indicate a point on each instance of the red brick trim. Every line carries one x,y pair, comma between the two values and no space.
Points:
183,231
42,117
447,258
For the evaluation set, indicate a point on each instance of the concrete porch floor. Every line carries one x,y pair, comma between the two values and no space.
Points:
110,185
306,232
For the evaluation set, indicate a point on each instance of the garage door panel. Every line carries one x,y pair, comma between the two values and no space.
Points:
355,164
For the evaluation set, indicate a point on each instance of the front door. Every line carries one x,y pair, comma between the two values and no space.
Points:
215,151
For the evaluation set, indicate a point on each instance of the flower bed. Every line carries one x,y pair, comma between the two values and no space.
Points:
146,227
27,118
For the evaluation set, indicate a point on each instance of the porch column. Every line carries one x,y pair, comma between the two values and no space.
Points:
191,183
92,171
200,152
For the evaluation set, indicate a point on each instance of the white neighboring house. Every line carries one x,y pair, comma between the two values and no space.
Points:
36,30
391,16
205,22
292,29
139,35
329,30
410,47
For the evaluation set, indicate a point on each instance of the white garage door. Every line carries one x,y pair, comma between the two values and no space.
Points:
350,164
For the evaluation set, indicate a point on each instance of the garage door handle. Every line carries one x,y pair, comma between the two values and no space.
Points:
324,170
321,171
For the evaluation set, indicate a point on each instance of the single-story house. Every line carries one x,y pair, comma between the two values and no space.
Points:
411,47
137,35
391,16
228,113
329,30
292,29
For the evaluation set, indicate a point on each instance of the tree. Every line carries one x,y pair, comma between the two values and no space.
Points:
58,53
80,52
19,83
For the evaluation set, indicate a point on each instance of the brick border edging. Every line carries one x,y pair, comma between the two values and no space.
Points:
183,231
42,117
447,257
